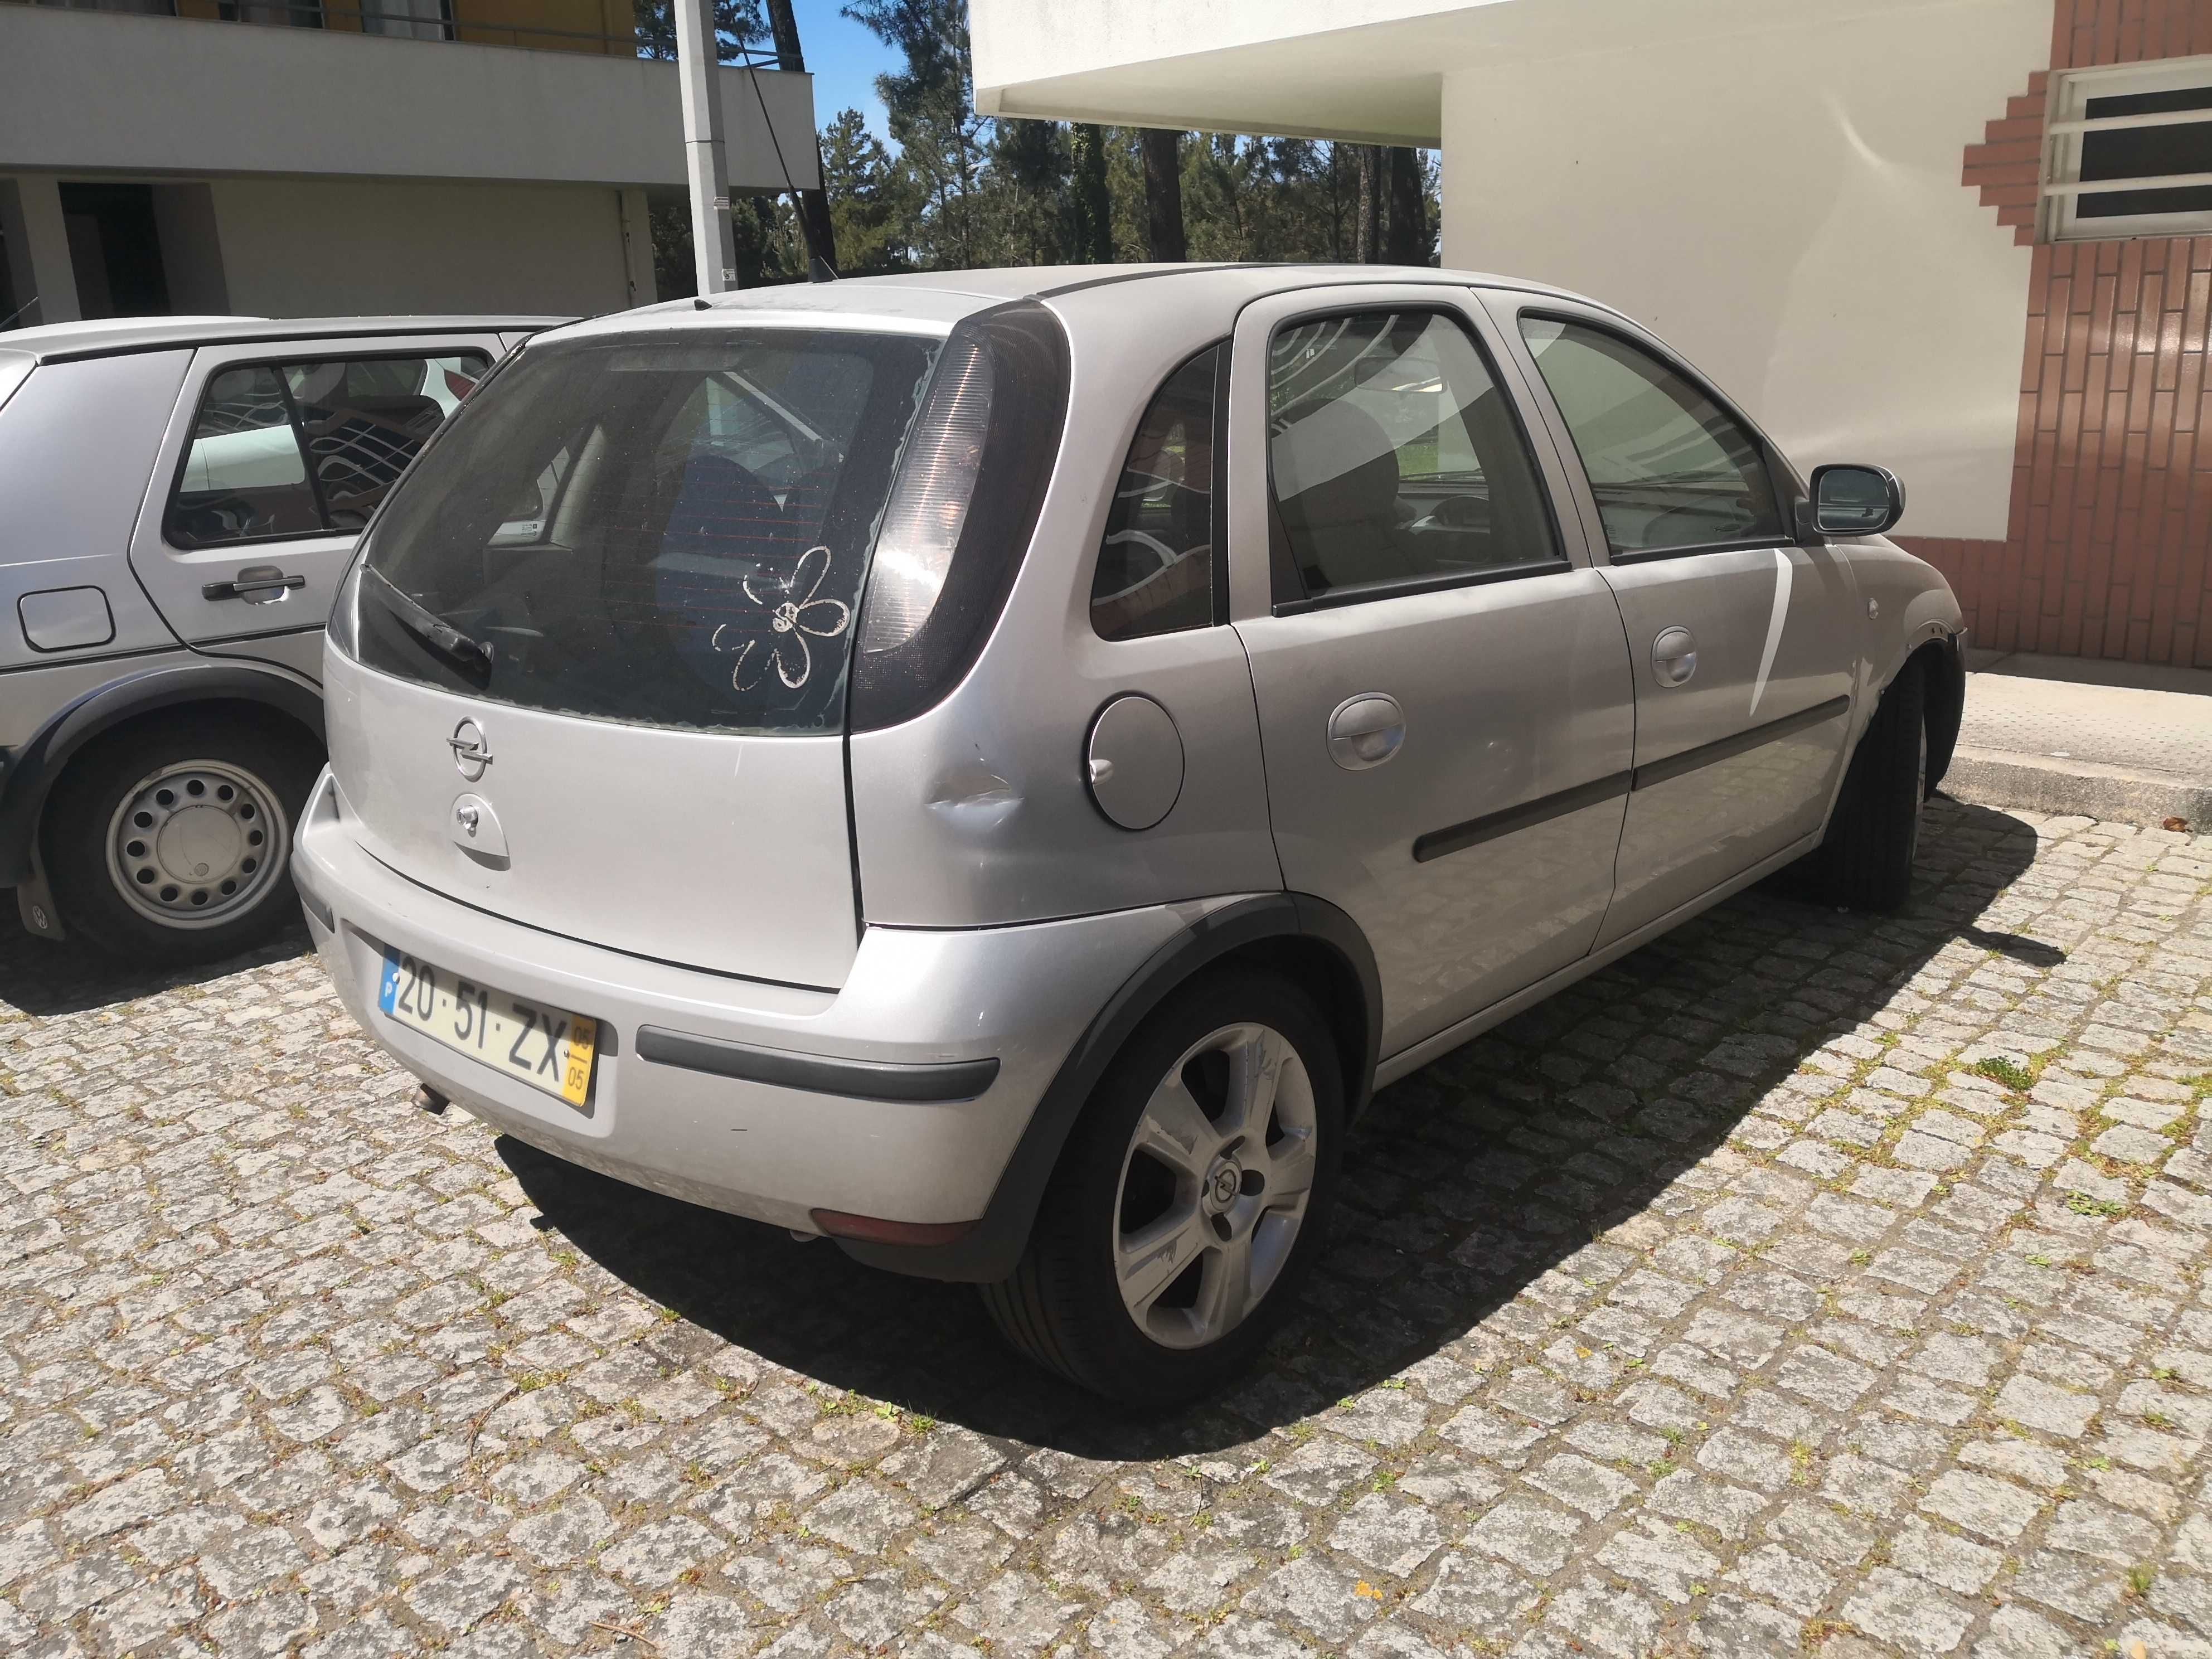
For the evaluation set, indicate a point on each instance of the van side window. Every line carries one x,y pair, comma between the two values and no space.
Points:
1671,469
308,448
1393,456
1155,572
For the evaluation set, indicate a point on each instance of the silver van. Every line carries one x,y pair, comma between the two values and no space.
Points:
178,498
996,769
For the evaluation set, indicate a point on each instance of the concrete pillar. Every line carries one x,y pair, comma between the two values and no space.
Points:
38,249
706,155
191,250
637,245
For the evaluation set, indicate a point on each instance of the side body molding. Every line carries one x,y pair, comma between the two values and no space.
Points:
28,774
1296,921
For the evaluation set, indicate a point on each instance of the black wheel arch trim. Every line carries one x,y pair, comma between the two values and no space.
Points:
28,774
1947,706
990,1251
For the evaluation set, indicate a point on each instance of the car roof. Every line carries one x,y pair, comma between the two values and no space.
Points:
934,301
112,336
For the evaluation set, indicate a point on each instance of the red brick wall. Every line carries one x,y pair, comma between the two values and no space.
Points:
2108,544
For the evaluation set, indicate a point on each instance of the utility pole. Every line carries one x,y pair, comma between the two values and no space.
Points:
706,157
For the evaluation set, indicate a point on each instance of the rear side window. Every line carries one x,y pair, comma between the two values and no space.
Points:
1670,469
670,532
1395,456
308,448
1155,572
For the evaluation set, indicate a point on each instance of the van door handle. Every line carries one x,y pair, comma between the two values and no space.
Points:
1365,731
252,581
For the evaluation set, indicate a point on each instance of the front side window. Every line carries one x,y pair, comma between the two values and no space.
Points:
1393,456
308,448
671,533
1155,572
1670,469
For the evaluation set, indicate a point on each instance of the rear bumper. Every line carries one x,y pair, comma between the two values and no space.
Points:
900,1096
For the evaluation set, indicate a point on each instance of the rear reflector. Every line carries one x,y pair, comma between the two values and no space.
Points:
873,1229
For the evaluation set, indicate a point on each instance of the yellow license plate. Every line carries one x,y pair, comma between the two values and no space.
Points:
549,1049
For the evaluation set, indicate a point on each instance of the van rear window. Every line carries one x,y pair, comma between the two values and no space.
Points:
670,532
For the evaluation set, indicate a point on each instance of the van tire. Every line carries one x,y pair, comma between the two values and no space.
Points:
1865,862
1064,1305
262,768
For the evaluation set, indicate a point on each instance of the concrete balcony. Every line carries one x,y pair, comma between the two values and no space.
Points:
100,91
402,156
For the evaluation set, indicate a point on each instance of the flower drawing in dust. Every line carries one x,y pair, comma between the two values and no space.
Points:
793,613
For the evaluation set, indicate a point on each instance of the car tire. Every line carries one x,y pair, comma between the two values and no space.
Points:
1212,1142
170,841
1865,862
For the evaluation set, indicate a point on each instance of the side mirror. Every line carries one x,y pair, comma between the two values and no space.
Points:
1856,501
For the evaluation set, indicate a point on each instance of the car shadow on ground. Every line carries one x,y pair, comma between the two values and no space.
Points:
1464,1184
48,978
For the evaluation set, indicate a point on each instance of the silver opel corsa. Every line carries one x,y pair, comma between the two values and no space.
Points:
996,769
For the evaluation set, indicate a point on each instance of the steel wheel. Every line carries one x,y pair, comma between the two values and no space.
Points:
197,843
1214,1186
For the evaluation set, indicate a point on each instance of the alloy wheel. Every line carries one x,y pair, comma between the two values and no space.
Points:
1214,1186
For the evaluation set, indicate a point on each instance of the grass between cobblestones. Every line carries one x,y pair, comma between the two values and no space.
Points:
1805,1282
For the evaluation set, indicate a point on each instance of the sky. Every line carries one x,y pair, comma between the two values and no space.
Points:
845,60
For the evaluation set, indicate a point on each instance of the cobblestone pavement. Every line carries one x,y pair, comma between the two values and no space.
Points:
1719,1306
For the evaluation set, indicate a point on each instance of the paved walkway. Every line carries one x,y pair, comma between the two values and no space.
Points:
1720,1306
2110,740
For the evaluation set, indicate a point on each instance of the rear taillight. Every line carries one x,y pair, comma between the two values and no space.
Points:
929,504
958,523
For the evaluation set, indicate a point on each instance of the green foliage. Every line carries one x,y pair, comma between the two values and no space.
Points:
954,190
737,25
2013,1075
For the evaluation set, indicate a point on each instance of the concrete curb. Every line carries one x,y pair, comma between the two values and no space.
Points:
1991,777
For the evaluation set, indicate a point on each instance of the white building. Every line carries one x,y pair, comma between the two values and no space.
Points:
407,155
1857,215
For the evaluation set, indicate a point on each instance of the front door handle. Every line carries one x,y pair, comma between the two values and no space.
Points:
1365,731
1675,656
257,584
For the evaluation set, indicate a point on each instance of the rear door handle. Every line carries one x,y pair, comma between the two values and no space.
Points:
1675,656
255,580
1365,731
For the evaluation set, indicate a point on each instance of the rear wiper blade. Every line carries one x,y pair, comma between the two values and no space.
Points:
465,652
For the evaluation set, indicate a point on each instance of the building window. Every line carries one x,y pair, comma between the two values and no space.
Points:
2129,152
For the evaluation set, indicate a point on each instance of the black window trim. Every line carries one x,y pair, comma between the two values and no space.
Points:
1780,482
299,437
1282,567
1216,512
1442,582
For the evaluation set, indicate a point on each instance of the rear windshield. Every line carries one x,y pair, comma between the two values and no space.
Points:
667,532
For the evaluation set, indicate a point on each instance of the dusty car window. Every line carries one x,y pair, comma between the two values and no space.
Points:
308,448
670,532
245,475
1669,468
1155,572
1393,455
